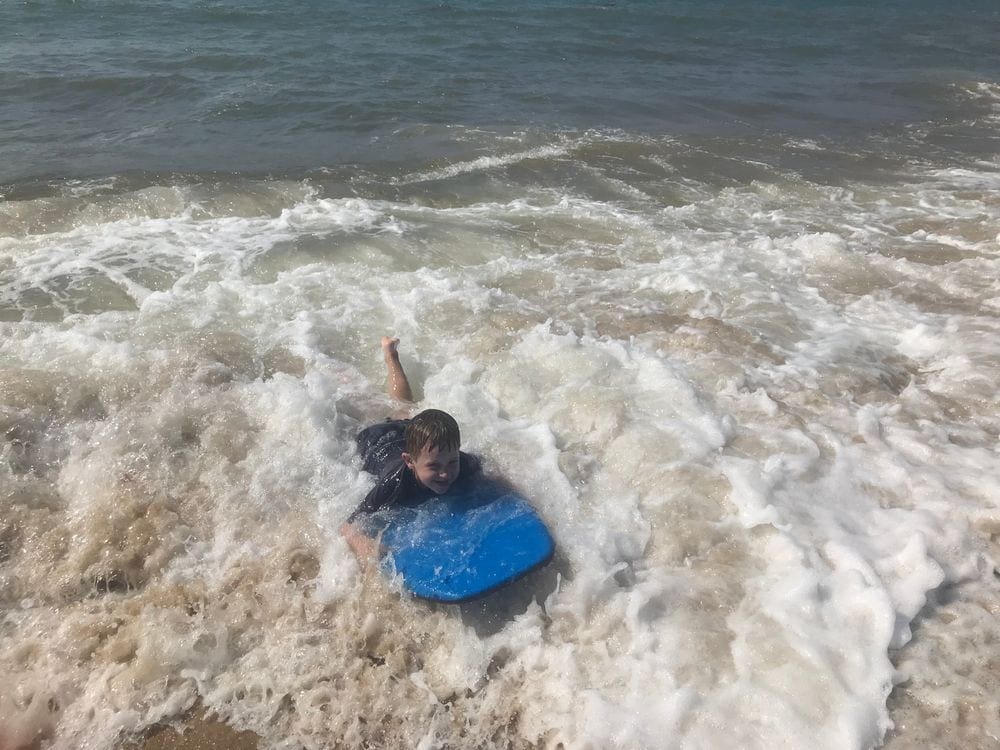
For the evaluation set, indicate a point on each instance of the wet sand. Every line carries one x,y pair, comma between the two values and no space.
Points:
197,733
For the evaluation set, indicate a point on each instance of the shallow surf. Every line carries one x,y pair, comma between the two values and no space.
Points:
760,420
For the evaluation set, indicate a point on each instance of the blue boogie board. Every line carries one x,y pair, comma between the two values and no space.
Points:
460,546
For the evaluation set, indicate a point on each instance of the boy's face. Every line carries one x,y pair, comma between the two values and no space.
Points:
434,469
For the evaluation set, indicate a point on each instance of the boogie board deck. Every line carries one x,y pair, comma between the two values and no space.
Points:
460,546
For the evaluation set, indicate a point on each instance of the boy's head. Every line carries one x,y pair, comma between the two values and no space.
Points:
431,453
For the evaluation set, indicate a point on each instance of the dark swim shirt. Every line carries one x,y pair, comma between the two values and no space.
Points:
381,447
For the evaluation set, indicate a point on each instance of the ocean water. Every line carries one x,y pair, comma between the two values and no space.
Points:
715,284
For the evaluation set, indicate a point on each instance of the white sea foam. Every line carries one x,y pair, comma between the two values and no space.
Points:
484,163
985,93
762,427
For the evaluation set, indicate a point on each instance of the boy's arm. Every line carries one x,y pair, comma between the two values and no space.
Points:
386,492
364,546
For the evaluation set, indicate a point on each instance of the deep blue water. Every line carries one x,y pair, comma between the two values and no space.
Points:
94,88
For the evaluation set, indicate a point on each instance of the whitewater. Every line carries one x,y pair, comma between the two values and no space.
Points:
761,421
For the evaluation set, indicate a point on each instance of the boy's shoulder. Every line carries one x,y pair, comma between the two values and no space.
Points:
384,428
380,443
469,464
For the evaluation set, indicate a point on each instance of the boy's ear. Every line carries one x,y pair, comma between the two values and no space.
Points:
408,460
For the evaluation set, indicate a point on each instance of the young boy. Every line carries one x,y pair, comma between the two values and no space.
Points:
414,459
